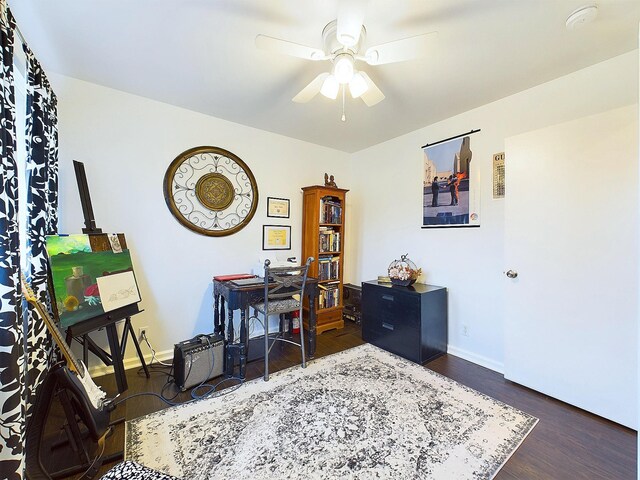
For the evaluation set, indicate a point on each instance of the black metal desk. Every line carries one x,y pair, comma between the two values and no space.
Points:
228,297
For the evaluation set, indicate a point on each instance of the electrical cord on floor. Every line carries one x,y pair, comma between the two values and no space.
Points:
153,352
161,366
171,380
209,394
152,394
164,387
98,456
212,389
155,369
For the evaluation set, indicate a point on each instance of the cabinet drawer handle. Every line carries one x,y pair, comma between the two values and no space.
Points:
386,325
388,297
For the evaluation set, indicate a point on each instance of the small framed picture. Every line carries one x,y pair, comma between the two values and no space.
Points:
276,237
278,207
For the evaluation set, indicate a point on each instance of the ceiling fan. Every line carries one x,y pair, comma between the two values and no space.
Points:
343,41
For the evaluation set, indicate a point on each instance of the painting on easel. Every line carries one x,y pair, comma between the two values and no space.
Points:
92,274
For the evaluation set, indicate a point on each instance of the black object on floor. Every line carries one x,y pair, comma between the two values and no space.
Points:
352,296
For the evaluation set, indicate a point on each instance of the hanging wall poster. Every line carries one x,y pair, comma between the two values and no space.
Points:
451,196
92,274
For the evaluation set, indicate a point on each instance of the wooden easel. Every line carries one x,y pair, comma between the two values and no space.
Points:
81,420
108,320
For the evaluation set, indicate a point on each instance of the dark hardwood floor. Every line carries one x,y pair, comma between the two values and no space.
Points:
568,443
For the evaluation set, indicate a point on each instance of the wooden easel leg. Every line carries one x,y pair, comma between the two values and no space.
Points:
129,327
99,352
85,349
118,366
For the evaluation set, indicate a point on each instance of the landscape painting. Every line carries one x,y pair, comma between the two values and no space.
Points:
449,199
77,270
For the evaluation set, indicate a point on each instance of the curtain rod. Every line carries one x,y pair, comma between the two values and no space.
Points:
450,138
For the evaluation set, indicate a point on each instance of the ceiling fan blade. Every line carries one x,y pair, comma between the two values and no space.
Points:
350,18
400,50
311,90
289,48
373,94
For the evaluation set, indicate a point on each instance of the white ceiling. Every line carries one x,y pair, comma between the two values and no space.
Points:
200,55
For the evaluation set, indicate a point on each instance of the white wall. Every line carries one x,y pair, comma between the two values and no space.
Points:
386,202
126,143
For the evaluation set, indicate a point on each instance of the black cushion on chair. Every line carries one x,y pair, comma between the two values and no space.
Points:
134,471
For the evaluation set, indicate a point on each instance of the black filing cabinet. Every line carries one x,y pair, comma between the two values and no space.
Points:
408,321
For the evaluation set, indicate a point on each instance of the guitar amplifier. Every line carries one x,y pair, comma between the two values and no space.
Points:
197,360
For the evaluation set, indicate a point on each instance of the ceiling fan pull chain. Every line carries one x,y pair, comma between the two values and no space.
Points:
344,117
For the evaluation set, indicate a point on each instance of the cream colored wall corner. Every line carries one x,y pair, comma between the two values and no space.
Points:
385,202
126,143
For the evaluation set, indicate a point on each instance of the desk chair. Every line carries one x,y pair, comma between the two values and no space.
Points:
280,286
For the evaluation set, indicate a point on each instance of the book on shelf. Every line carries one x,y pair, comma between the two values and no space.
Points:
329,240
330,210
328,267
329,295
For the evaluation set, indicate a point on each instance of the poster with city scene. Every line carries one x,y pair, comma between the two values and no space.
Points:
91,274
450,196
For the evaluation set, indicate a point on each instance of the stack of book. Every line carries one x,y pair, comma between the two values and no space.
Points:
328,268
329,240
330,210
329,295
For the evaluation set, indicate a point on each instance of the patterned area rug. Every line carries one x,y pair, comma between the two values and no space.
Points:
359,414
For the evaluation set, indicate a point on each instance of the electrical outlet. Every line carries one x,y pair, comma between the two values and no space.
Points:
465,330
142,331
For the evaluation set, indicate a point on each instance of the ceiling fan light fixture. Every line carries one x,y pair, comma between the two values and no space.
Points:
343,68
358,85
349,22
330,87
347,40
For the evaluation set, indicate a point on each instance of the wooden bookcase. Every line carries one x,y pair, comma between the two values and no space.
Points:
323,217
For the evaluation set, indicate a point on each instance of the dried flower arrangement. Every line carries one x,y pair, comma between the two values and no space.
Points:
404,272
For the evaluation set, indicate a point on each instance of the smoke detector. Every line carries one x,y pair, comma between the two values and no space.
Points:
581,16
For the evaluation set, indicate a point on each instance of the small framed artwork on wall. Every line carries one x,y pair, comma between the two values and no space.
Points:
278,207
276,237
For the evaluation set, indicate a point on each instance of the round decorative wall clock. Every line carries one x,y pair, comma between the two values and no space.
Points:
211,191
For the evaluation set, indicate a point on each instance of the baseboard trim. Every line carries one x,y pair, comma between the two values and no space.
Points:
131,362
477,359
167,355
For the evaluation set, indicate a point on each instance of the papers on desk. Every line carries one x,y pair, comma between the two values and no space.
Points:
246,282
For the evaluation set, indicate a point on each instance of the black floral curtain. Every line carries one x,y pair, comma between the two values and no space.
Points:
23,369
42,208
12,363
